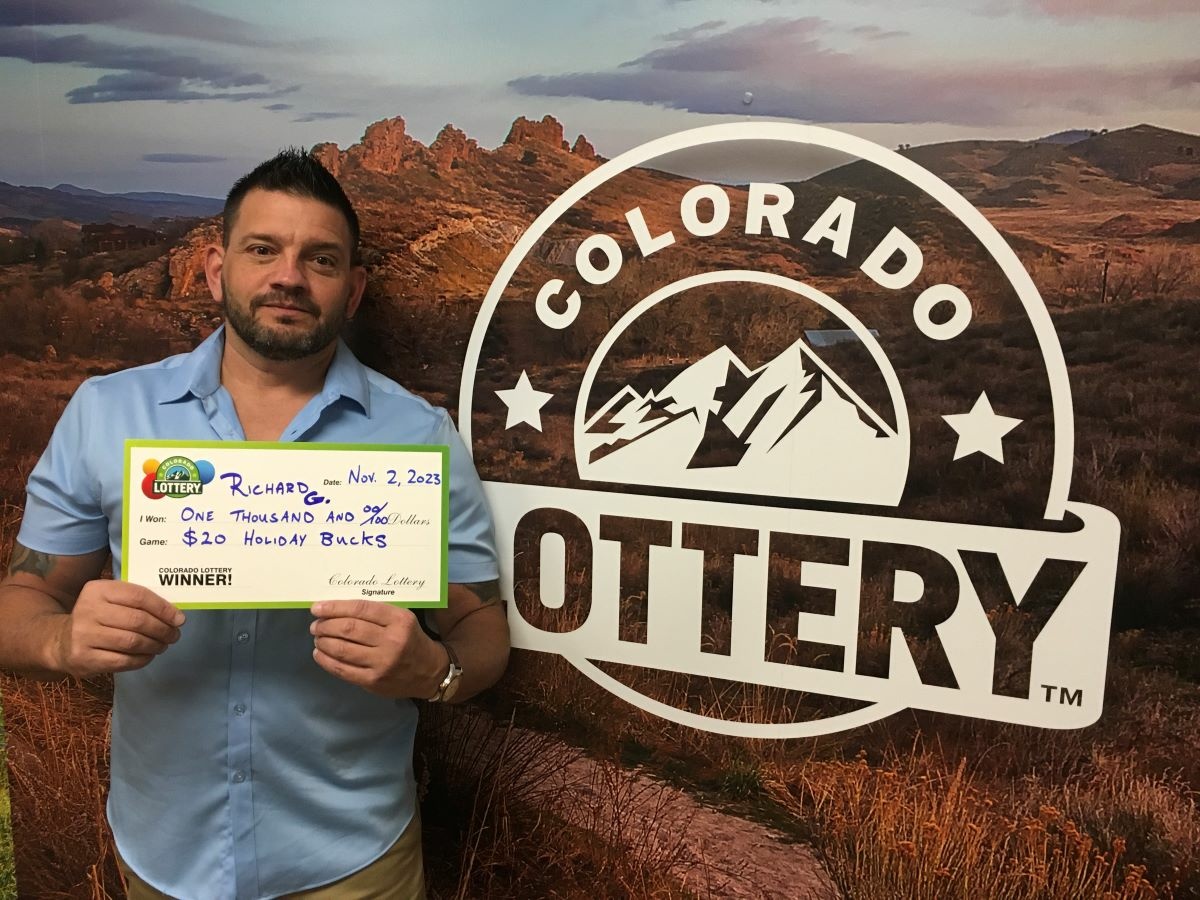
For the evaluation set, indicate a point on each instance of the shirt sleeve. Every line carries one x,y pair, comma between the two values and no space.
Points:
63,514
472,538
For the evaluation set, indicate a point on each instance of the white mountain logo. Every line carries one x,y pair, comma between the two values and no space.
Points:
790,428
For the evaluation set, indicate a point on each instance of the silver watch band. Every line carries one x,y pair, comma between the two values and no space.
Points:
452,675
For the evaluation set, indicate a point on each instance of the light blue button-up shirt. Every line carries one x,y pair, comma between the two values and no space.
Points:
240,768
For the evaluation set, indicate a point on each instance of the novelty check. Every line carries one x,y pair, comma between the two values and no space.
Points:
227,524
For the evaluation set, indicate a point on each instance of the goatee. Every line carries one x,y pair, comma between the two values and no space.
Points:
282,343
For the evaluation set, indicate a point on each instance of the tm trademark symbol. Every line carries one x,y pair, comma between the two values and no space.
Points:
1066,696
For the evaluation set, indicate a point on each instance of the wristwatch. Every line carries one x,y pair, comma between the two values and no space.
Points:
449,686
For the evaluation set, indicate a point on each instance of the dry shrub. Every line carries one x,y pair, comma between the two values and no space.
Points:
1154,814
81,326
1160,531
1156,273
513,813
529,816
634,835
8,875
56,732
58,766
918,829
467,771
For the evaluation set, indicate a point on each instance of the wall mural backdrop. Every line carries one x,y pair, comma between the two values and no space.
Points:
827,366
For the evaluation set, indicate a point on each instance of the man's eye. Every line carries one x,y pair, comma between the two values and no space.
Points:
324,261
260,250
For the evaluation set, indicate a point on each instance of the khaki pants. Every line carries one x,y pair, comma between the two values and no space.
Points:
397,875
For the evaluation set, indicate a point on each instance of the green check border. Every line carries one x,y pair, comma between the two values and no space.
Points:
441,450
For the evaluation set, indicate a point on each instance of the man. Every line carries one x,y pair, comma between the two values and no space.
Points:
254,753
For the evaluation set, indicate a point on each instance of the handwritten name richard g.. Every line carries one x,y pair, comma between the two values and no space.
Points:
238,487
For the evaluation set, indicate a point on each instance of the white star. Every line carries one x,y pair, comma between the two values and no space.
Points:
524,403
981,430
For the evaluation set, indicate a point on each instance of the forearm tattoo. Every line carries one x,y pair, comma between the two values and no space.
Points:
488,592
32,561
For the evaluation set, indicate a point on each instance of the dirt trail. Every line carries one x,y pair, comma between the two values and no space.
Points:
713,854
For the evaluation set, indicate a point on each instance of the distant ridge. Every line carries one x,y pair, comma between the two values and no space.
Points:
1069,136
1128,165
146,196
68,201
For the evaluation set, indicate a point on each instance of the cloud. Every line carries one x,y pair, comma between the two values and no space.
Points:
733,50
794,73
684,34
147,16
1125,9
276,107
875,33
183,158
148,86
142,73
37,47
323,116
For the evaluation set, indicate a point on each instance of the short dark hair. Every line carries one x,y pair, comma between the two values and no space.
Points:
292,171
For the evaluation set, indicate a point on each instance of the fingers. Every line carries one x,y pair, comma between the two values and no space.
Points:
364,678
125,643
375,646
138,597
348,652
111,651
357,631
104,661
116,626
381,614
138,622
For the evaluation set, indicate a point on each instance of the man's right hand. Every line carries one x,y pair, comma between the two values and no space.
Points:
114,626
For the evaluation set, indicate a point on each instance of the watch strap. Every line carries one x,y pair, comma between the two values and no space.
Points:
452,675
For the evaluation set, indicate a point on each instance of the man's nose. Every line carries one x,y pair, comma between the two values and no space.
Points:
288,273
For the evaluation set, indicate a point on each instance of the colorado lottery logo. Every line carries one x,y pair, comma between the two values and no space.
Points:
808,441
175,476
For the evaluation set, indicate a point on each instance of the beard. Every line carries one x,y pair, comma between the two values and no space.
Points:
279,343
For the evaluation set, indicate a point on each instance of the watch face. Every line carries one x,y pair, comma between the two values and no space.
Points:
452,687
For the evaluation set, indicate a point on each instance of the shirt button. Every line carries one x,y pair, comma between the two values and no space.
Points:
239,776
240,709
243,636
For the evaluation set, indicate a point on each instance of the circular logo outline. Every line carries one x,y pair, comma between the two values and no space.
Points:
986,233
1039,317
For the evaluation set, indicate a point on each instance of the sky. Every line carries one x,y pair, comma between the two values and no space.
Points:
127,95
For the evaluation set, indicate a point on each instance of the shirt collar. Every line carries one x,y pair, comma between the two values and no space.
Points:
199,374
347,377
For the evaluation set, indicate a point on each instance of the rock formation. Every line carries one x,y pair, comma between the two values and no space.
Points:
387,148
185,263
329,156
451,148
549,131
583,148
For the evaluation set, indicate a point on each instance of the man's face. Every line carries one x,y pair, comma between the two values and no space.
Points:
285,279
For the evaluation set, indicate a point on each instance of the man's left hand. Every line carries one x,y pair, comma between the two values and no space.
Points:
378,647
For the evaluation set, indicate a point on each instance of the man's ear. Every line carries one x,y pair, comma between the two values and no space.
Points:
358,285
214,262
